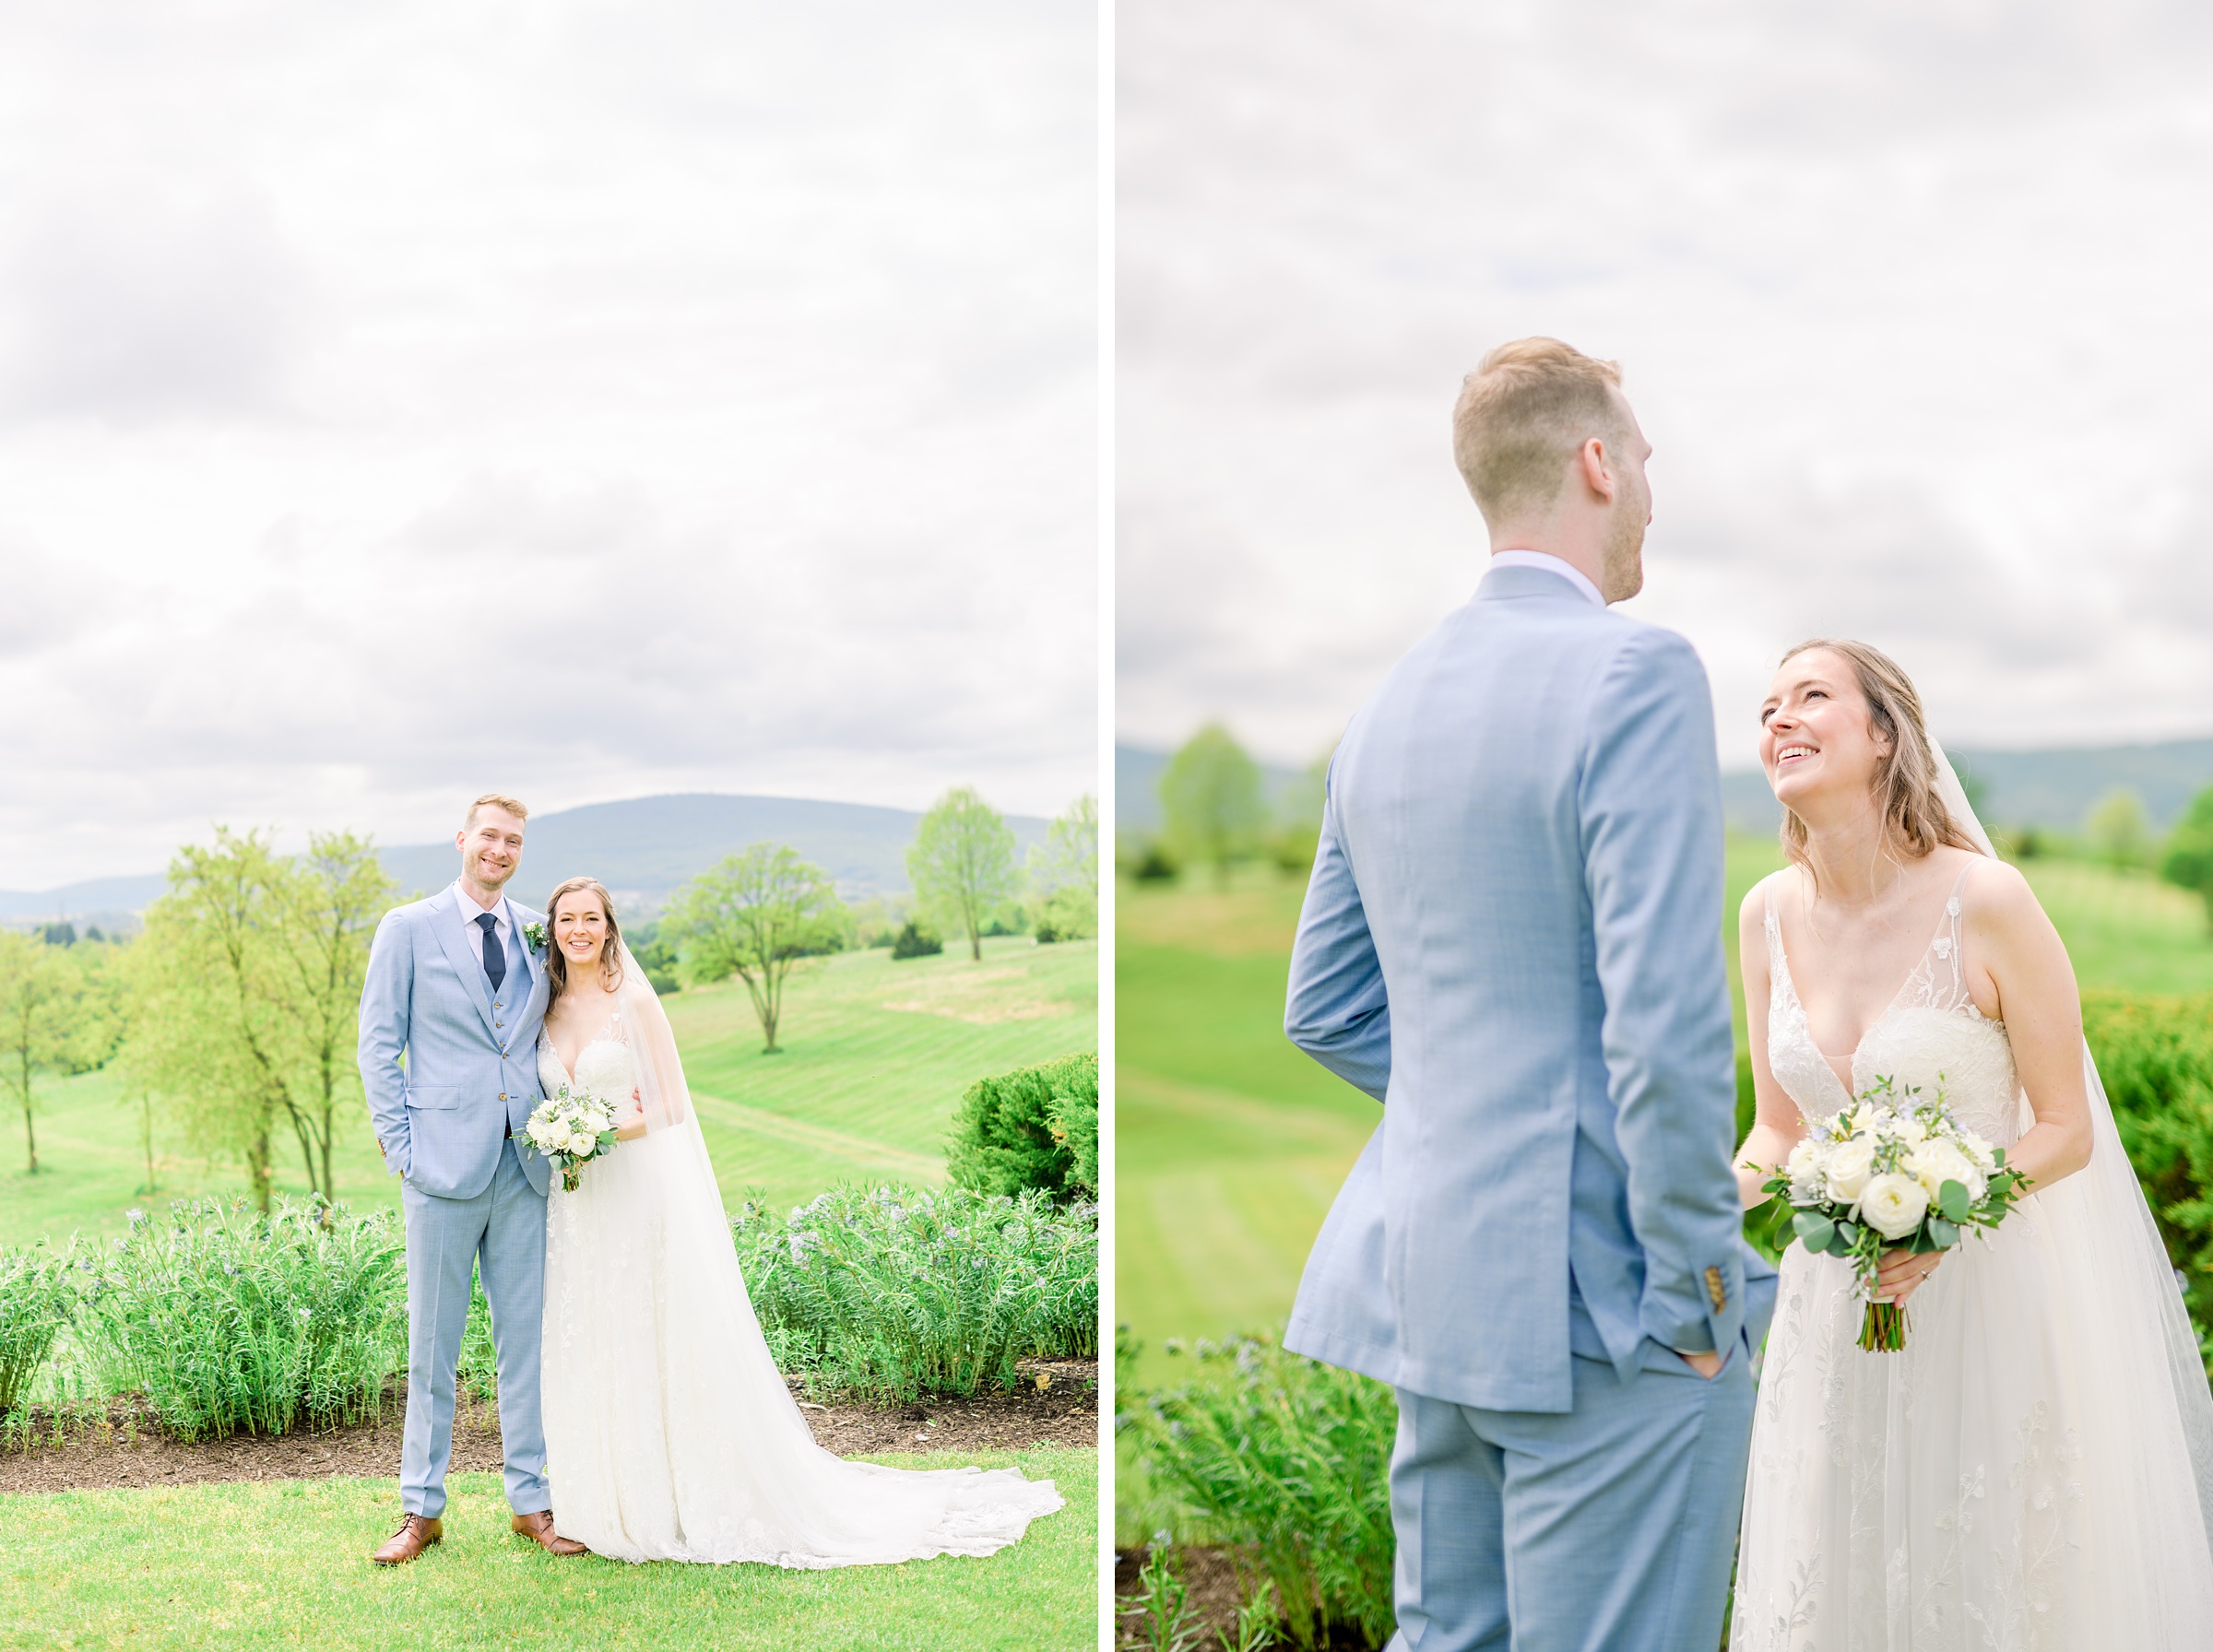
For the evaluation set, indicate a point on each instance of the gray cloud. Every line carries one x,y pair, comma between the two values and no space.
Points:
131,308
592,400
1908,297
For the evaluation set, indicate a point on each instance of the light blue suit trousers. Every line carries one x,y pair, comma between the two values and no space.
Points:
1512,939
450,1067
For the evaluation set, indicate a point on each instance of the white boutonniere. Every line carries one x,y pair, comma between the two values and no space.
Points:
534,935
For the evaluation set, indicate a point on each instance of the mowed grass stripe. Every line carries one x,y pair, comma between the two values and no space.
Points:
863,1092
283,1564
1223,1196
818,1140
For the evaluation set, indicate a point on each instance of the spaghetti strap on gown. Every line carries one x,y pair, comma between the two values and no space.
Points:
2012,1479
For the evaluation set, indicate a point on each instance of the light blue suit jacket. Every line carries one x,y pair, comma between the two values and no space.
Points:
1513,940
470,1073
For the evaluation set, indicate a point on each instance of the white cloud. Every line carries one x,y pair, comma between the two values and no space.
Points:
589,399
1908,298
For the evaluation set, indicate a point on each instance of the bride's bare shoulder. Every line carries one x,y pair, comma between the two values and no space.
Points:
1752,917
1995,896
1752,912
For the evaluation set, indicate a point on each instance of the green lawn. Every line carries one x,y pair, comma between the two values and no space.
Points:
284,1565
1230,1144
876,1055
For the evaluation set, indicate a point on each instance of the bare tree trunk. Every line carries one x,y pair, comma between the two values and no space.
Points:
146,1137
260,1172
30,1136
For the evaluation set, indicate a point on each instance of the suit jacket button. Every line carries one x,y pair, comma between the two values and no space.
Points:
502,1095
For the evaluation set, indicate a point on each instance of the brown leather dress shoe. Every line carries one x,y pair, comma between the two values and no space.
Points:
416,1533
538,1528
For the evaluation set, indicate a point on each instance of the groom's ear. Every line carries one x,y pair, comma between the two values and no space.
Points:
1597,466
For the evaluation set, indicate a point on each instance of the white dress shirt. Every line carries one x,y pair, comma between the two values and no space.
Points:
502,925
1551,564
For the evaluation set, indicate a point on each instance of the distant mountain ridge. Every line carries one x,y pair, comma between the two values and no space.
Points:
641,848
2055,788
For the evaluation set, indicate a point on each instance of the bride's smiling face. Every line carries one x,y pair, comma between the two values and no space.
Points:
1816,736
580,929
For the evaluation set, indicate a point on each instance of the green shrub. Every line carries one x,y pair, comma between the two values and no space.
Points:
1289,1457
1037,1127
2156,1057
893,1293
916,940
37,1293
230,1322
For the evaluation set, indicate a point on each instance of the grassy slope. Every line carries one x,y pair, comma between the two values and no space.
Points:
249,1565
877,1055
1230,1144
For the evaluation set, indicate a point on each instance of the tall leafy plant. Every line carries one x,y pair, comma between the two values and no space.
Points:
893,1291
234,1322
1292,1459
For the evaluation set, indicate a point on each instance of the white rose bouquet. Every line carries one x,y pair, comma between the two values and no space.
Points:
572,1128
1889,1171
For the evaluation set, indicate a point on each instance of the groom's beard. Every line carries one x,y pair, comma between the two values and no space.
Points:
1621,558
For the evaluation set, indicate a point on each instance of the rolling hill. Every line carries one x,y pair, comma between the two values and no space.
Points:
641,848
2055,788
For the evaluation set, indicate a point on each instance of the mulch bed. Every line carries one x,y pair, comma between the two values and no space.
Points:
126,1448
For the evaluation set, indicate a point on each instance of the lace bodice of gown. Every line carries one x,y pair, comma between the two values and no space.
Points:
605,1067
1932,1036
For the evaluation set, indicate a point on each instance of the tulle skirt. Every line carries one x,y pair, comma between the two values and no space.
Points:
2002,1483
670,1433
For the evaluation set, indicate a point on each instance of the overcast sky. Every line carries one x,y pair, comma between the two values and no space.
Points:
1914,299
582,400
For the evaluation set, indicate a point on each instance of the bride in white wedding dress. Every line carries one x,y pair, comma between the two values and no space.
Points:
670,1433
2033,1470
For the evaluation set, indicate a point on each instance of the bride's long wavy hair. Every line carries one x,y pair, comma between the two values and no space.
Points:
610,954
1915,819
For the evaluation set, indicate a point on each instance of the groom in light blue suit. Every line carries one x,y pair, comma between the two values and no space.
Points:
1513,940
450,1014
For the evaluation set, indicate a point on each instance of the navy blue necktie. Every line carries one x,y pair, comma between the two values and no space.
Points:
495,956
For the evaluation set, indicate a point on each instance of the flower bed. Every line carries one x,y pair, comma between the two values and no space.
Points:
894,1292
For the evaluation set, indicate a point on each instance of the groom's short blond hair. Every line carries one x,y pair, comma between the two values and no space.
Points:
1521,415
495,800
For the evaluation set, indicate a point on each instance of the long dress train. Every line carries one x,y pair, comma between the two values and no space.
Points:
669,1432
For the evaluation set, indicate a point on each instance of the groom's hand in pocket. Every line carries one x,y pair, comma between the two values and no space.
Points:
1707,1365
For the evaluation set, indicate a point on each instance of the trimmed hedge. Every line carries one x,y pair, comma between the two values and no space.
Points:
2156,1057
1035,1127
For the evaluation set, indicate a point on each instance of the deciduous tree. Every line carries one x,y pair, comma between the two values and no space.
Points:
247,988
2118,829
962,864
2189,857
1211,799
757,916
35,991
1064,874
